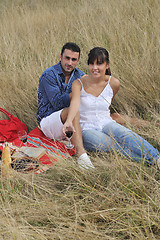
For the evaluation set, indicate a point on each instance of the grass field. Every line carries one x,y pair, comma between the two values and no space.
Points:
120,199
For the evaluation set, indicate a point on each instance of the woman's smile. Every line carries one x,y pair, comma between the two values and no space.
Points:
97,69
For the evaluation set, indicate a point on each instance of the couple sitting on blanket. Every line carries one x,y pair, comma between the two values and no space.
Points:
69,99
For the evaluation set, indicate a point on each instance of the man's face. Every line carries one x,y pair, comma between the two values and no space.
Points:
69,60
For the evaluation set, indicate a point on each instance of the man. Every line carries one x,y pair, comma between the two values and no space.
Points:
54,96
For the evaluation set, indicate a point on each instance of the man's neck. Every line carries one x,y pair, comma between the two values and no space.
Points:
67,77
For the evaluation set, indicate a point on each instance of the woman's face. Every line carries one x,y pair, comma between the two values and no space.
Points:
98,69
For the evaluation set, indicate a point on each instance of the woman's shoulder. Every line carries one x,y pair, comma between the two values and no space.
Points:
115,85
77,83
114,82
84,77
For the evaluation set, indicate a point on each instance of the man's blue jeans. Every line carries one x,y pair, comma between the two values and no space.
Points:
115,137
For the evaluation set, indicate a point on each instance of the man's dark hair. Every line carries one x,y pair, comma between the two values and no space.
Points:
71,46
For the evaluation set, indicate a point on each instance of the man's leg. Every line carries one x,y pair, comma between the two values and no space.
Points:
124,119
52,125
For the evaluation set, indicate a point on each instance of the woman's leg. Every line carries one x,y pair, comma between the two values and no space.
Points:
94,140
97,141
130,143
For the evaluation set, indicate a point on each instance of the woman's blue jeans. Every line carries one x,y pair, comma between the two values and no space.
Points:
115,137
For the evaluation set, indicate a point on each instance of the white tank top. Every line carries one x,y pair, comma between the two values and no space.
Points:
94,111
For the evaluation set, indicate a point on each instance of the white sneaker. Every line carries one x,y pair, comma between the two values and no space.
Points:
85,162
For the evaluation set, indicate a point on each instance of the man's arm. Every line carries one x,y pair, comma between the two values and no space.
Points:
56,95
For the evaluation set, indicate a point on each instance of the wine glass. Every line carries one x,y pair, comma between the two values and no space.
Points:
23,136
69,134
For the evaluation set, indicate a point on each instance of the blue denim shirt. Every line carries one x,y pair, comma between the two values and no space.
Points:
53,92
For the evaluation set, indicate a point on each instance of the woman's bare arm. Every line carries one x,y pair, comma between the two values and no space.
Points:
74,105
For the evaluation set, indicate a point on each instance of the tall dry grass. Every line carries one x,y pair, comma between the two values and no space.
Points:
120,199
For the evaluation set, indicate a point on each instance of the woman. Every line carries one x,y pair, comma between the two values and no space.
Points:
92,96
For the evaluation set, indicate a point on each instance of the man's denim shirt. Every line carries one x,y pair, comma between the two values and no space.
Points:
53,92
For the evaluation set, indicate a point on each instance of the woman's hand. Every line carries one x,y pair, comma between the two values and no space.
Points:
68,126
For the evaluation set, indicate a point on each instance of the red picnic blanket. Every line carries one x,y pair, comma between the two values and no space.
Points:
54,149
